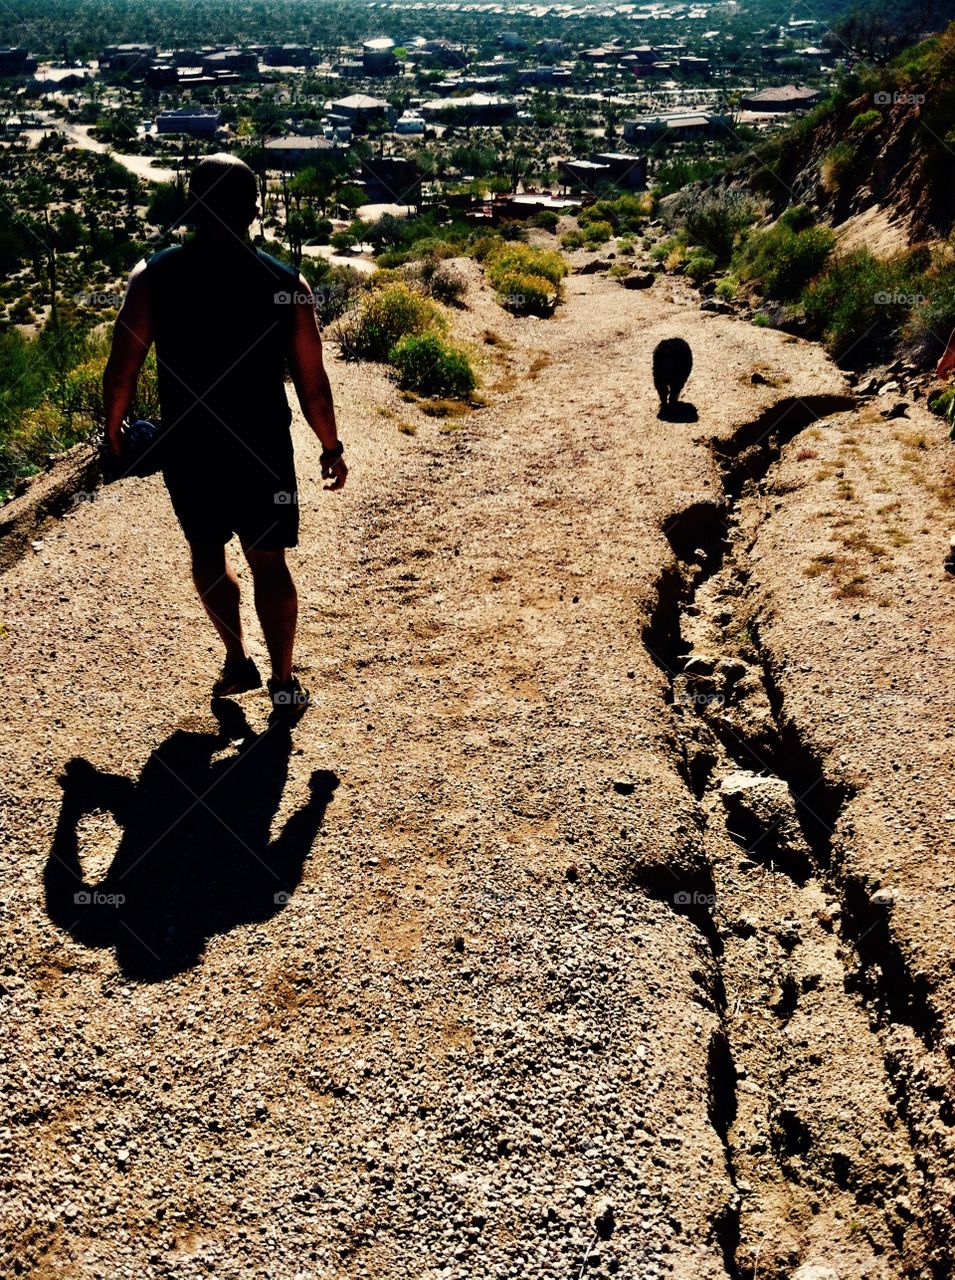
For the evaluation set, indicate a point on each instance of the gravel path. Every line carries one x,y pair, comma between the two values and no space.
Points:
407,995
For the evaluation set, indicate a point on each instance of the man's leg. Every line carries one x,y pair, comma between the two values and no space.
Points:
276,603
218,589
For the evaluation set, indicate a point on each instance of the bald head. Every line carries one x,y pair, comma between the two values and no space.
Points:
222,194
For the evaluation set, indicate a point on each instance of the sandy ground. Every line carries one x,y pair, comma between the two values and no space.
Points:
446,984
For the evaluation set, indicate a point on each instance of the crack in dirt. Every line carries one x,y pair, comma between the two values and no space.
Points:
807,979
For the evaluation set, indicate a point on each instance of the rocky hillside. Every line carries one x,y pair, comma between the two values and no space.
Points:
885,139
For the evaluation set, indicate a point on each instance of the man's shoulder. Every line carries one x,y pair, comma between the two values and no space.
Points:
278,268
163,259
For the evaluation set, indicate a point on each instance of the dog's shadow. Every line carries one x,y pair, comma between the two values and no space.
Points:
195,857
682,411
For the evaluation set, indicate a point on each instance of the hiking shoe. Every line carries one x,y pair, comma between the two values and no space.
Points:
238,675
289,700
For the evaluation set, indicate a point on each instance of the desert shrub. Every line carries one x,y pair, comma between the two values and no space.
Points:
83,392
393,258
943,403
618,270
864,119
932,315
727,288
836,167
382,318
443,284
484,246
573,239
699,266
597,233
711,219
854,305
334,292
624,212
673,175
546,219
784,258
426,363
526,280
508,258
526,295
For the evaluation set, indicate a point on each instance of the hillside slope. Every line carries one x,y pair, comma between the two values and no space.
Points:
886,139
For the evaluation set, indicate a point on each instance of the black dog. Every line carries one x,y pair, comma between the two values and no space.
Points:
672,362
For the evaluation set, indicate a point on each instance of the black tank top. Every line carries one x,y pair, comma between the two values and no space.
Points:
222,315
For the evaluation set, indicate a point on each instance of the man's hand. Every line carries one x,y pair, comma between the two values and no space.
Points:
947,362
336,471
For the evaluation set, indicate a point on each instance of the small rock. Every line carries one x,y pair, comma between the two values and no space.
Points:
731,669
592,267
867,388
699,665
898,410
717,306
888,388
638,280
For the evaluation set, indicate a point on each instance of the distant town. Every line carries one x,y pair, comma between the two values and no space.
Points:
560,115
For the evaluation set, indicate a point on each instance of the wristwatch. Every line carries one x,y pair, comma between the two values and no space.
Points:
332,455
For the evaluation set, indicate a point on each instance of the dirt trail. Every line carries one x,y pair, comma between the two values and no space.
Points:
453,984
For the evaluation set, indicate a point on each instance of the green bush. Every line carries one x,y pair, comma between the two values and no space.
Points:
727,288
858,304
932,315
783,259
443,284
431,366
508,258
711,219
624,212
597,233
864,119
573,239
836,167
83,392
699,266
546,219
526,295
382,318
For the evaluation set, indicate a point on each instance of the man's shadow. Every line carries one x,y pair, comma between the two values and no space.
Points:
680,411
195,857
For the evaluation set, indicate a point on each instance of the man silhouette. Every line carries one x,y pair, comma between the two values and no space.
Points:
227,320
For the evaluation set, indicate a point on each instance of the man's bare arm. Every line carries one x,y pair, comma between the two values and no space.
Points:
132,335
947,362
312,386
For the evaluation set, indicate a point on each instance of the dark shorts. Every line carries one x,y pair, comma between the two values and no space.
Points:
259,505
